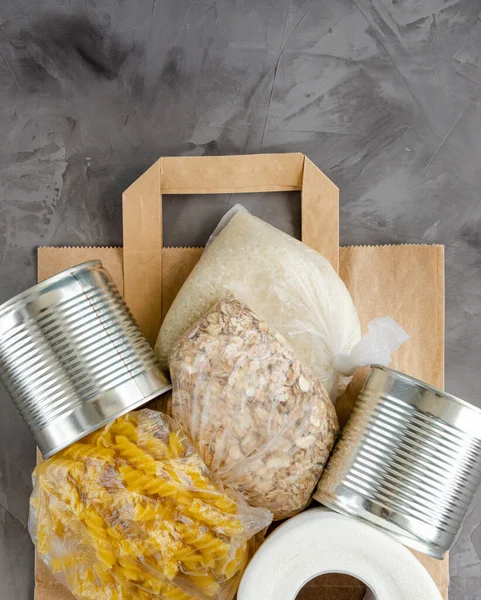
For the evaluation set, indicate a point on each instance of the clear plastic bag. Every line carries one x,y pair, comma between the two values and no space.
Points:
258,417
383,337
131,512
290,285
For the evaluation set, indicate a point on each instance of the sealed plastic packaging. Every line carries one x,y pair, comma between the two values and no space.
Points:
291,286
258,417
131,512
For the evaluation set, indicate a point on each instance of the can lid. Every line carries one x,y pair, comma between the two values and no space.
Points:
35,289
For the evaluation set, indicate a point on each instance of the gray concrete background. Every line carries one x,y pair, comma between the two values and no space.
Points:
384,95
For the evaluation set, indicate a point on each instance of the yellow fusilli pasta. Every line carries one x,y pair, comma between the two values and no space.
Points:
131,513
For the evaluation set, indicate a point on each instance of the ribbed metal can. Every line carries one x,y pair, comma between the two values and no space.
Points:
408,461
73,358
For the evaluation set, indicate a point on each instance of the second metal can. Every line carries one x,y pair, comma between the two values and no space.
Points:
408,461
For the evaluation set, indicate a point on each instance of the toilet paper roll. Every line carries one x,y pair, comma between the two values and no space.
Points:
319,541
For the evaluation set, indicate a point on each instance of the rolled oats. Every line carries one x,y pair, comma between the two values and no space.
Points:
257,415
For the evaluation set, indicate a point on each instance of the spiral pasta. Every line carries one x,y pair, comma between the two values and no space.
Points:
131,512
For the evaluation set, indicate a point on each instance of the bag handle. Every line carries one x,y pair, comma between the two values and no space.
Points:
142,213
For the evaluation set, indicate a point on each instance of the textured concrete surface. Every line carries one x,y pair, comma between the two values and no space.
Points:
384,95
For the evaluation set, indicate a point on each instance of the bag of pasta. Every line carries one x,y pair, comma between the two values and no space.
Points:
257,415
132,513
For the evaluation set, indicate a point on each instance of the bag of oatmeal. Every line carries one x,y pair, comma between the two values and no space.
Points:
258,417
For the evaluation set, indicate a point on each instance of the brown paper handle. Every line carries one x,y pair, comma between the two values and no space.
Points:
142,213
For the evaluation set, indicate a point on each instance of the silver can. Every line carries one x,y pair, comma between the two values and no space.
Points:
408,461
73,358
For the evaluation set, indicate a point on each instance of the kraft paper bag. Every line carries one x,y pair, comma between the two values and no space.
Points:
404,281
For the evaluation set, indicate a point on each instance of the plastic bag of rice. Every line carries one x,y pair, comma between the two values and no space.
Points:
293,288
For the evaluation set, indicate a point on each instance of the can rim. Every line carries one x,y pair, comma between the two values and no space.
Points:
96,426
403,536
427,386
46,282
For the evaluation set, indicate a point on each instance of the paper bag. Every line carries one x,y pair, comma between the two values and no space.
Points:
405,282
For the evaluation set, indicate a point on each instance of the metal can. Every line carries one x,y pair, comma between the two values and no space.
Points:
408,461
73,358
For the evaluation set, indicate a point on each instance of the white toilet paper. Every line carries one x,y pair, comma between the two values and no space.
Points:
319,541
